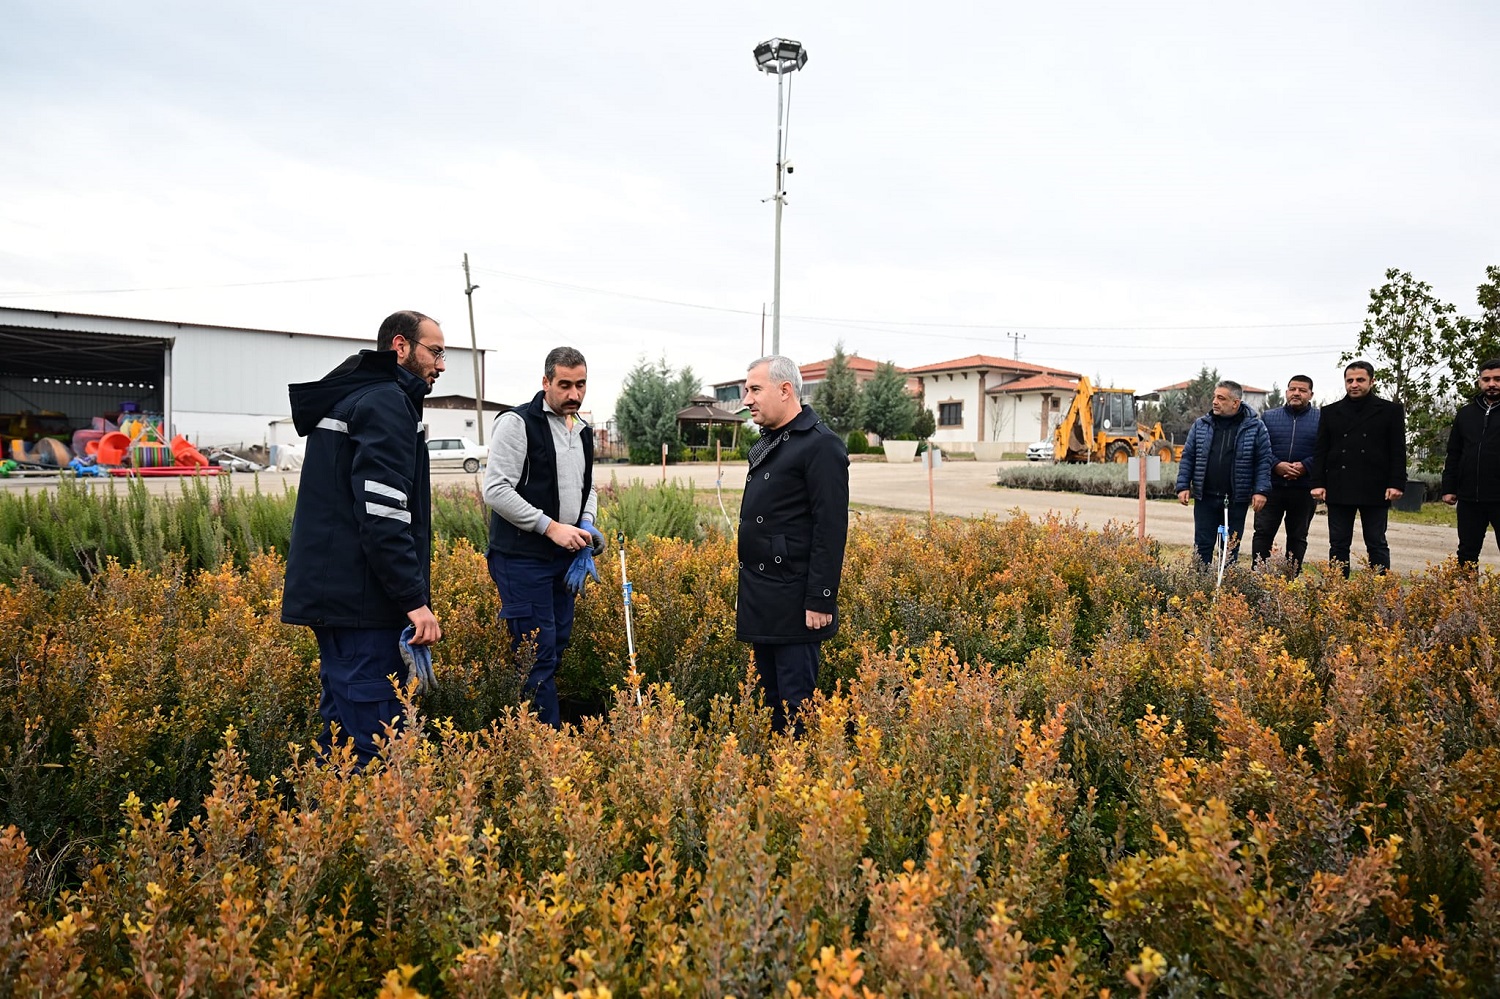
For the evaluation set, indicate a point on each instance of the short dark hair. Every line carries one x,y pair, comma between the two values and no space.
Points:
1301,378
562,357
1489,365
1365,365
403,323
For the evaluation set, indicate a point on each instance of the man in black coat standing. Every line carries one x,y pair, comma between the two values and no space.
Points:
1360,465
794,521
1471,475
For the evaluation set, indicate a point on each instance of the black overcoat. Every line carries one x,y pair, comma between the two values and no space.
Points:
1472,470
793,524
1361,451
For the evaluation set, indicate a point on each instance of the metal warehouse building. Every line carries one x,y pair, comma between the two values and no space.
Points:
216,385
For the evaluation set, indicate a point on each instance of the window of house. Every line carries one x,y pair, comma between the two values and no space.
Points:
950,414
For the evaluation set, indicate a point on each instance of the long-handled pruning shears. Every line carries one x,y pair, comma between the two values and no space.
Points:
635,677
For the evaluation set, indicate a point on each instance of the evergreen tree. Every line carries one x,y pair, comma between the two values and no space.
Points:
1274,398
1422,352
837,397
886,408
646,411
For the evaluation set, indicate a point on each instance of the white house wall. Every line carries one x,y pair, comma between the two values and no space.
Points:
962,387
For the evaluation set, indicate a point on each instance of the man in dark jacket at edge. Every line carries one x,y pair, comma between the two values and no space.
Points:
358,567
1226,464
794,521
1471,478
1293,430
539,486
1359,465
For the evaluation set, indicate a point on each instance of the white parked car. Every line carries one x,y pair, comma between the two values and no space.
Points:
1040,451
456,452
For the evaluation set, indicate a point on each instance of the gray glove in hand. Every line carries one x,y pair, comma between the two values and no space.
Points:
418,659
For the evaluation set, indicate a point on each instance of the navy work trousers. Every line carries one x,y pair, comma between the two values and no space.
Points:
1372,521
536,605
788,675
357,664
1208,517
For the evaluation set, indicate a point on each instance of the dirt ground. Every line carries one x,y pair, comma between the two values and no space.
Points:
960,488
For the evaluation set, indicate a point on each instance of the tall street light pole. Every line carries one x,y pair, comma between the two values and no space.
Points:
779,56
469,288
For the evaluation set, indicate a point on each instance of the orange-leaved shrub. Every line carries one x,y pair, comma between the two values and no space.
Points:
1042,762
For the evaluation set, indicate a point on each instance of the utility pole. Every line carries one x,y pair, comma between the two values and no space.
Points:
469,289
1017,337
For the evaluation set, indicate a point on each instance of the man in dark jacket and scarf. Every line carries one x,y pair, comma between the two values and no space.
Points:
794,521
357,571
1471,475
1359,465
1226,465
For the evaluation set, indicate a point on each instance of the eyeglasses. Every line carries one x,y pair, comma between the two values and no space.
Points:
437,352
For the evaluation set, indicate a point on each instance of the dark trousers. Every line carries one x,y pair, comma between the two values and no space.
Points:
1297,506
1208,517
788,675
1372,522
535,605
1475,519
357,664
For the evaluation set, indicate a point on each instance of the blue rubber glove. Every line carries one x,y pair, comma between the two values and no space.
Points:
418,659
588,525
580,571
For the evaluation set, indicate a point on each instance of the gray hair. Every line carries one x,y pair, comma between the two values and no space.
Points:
1235,388
562,357
781,369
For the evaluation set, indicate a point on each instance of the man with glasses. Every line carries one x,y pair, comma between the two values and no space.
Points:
358,567
539,487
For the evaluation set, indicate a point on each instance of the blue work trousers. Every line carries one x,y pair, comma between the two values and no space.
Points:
788,675
536,605
1208,517
357,664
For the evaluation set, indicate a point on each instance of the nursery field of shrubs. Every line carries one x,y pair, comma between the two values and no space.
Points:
1042,763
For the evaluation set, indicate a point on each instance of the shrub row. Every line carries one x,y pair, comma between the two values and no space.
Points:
1093,480
1041,764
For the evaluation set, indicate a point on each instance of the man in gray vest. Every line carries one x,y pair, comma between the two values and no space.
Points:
540,491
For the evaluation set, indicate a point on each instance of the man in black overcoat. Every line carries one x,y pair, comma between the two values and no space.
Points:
1360,465
793,525
1471,475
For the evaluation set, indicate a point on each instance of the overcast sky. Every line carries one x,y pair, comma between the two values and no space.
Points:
1138,189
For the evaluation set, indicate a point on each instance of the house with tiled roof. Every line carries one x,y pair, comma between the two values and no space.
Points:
990,405
812,376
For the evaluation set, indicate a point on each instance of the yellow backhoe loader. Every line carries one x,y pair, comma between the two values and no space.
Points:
1101,425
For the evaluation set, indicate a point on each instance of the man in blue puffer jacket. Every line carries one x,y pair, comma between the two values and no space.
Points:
1226,463
1293,429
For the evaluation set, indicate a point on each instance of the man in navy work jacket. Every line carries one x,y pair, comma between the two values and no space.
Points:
358,568
1359,465
1226,465
794,521
540,490
1471,475
1293,429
